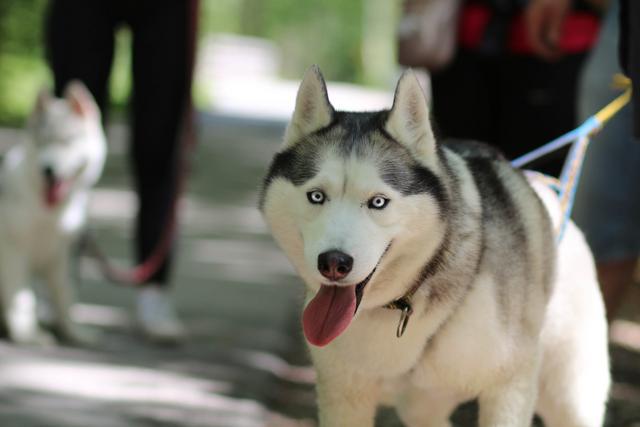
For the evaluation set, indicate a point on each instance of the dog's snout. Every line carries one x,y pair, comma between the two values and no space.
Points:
334,265
48,172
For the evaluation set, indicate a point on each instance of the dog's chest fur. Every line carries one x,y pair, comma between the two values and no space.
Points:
471,320
26,224
460,352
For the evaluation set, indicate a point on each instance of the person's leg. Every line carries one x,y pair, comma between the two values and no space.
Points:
606,205
538,103
79,41
615,277
464,98
162,65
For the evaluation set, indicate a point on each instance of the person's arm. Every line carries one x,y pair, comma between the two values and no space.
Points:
544,20
601,5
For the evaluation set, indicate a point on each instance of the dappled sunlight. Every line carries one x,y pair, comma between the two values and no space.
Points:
120,383
101,316
117,206
278,366
240,77
261,257
204,217
112,205
237,274
240,335
125,396
147,393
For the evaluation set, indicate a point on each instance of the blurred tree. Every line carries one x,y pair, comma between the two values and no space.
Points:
220,16
22,70
120,81
325,32
352,40
21,26
252,17
330,33
380,19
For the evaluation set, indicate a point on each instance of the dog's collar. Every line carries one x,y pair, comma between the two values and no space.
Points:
406,310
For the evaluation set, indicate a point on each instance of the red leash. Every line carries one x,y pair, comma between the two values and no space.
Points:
142,272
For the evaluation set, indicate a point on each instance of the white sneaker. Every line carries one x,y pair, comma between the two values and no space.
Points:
157,316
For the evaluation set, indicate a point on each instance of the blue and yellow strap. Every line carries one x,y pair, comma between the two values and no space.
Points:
580,137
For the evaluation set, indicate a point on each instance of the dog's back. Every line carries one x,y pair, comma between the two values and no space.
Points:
518,245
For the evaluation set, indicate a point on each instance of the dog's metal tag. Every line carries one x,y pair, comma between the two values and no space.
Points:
405,315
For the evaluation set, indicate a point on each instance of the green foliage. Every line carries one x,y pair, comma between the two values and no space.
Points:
21,77
330,33
221,16
326,32
21,26
22,70
120,80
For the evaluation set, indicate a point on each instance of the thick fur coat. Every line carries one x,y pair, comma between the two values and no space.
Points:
44,190
371,209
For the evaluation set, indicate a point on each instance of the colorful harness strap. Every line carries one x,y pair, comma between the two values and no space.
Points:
565,186
580,137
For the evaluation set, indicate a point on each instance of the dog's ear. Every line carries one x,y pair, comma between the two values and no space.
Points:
43,99
80,100
408,120
313,110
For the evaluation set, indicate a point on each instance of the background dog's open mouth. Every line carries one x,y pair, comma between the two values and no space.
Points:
330,312
55,191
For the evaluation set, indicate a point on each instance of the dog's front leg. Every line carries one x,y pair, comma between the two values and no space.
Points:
63,296
18,299
511,403
346,399
426,408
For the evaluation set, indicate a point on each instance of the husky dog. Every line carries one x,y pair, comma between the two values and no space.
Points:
44,190
432,272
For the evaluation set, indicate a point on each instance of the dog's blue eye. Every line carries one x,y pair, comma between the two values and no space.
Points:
316,197
378,202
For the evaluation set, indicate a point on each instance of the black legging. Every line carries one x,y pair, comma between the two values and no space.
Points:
80,42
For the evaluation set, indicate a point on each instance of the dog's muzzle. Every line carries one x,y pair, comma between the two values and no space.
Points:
333,307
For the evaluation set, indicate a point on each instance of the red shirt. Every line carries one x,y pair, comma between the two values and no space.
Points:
579,30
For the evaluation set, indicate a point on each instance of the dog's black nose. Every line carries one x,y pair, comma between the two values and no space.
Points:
334,265
48,173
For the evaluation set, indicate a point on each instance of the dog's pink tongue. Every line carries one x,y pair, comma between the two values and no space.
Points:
54,192
329,313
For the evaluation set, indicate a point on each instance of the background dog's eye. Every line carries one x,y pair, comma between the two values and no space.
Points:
316,197
378,202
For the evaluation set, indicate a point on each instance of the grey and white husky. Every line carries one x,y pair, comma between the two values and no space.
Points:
432,272
44,189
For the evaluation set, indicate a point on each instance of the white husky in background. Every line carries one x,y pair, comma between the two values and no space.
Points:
432,273
44,189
